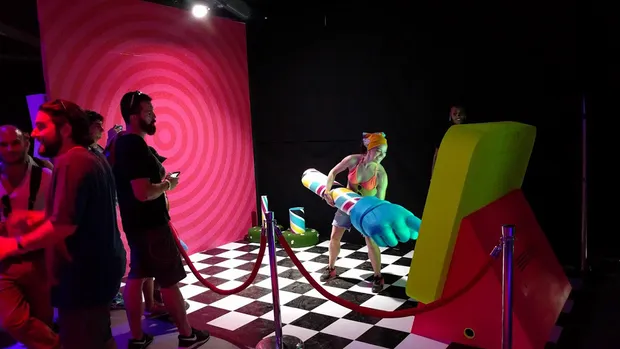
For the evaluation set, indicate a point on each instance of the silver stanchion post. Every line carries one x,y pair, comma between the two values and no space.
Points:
278,341
508,242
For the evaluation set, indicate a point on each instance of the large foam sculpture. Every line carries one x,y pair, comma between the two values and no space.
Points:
385,223
475,189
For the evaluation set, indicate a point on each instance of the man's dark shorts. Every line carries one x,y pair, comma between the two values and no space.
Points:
154,253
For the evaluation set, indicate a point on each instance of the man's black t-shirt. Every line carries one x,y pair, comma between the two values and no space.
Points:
134,159
82,194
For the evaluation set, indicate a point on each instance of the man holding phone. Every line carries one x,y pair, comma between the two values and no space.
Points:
141,186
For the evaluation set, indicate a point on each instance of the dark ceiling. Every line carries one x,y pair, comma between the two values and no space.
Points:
19,31
19,28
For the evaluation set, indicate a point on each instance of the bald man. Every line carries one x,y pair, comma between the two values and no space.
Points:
25,306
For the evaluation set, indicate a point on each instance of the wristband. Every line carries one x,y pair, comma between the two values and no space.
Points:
169,185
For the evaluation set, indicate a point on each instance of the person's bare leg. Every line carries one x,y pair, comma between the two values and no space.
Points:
132,295
147,292
111,344
374,254
334,245
175,304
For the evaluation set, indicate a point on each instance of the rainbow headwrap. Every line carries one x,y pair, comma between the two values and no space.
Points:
373,140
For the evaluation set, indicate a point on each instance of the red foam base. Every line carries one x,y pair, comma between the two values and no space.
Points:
540,286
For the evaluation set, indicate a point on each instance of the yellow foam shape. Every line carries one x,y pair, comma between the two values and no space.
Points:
476,165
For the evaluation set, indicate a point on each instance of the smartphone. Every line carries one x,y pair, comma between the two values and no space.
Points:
175,174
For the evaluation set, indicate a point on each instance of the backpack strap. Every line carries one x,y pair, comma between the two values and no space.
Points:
35,182
38,161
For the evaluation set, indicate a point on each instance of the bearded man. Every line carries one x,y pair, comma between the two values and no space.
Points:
79,228
142,183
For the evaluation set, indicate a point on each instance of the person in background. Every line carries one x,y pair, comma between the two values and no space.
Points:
457,117
153,301
96,129
87,257
96,132
367,177
142,183
26,311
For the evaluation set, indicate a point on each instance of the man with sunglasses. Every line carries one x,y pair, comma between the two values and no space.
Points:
141,186
79,230
26,311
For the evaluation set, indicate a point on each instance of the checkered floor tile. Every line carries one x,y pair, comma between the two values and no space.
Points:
247,316
305,313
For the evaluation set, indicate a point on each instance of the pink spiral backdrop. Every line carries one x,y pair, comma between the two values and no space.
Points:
196,71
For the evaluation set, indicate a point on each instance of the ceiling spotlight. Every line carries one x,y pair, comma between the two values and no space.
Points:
200,10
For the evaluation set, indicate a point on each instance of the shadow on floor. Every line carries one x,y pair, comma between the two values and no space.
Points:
595,321
165,335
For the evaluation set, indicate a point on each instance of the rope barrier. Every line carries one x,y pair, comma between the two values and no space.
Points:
342,302
246,283
382,313
270,230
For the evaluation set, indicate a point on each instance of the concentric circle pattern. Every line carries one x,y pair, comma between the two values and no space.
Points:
196,71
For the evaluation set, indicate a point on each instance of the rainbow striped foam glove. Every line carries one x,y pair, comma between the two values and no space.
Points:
385,223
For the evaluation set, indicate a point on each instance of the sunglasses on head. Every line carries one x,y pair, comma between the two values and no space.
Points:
60,101
133,97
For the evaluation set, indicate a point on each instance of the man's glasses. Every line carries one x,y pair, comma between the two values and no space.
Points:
6,206
133,97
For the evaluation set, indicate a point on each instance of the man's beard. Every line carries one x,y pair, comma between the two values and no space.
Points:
50,149
148,128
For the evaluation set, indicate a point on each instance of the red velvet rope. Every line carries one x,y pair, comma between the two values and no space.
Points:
382,313
246,283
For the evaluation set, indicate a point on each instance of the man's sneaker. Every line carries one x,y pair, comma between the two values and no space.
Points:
146,340
195,340
118,302
328,274
377,284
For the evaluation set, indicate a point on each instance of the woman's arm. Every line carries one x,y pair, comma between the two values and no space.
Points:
342,165
382,183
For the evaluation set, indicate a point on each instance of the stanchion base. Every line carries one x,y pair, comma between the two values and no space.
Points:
288,342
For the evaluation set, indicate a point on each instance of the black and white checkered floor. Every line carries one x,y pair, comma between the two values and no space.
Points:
243,319
246,317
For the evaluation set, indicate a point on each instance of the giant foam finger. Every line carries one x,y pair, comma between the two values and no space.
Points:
401,231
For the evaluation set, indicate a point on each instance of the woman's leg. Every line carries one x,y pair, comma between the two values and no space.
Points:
151,305
374,254
147,292
334,245
334,250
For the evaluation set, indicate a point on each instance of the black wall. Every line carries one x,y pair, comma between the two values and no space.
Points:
397,69
316,88
21,73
